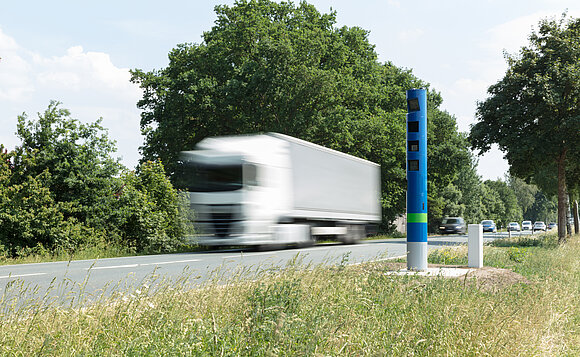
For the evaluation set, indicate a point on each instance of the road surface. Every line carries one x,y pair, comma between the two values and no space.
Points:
64,281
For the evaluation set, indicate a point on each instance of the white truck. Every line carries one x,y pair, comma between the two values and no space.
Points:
273,189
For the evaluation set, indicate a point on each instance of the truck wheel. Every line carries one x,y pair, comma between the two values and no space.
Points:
308,243
354,233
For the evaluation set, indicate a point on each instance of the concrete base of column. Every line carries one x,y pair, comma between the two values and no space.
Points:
417,256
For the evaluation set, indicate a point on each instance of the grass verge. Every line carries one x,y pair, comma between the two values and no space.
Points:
345,310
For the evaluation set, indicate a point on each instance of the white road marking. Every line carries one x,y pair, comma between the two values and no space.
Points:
174,262
143,265
114,267
20,276
248,254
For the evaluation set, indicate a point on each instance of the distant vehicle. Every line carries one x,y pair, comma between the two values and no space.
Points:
489,226
451,225
514,226
539,226
552,225
527,226
273,189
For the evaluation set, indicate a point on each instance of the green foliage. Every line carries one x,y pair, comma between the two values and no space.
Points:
269,306
268,66
61,190
525,193
533,112
473,193
448,256
30,217
503,207
543,209
77,157
147,212
361,310
524,241
517,254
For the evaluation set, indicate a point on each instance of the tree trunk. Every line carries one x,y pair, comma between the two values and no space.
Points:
562,195
576,218
568,216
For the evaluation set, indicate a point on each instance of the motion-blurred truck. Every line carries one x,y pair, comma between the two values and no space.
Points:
273,189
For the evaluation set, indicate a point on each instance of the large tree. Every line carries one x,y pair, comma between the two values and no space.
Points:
268,66
525,193
533,112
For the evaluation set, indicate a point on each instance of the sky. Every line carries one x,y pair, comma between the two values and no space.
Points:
80,53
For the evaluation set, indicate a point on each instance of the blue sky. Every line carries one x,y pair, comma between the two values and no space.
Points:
79,53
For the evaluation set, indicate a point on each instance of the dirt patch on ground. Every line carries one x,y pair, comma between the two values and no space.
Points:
494,279
486,278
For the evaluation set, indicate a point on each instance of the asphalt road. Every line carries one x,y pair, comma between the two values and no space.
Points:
65,281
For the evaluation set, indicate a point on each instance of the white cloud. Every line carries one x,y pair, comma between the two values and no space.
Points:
512,35
410,35
394,3
87,83
7,43
78,70
14,82
471,87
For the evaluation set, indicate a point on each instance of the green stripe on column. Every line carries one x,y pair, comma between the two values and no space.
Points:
417,217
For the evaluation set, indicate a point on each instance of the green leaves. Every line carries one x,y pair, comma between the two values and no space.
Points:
533,111
268,66
147,213
60,189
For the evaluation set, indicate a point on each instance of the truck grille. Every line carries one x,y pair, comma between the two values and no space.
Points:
219,220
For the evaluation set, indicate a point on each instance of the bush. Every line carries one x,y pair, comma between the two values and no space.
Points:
147,213
452,256
60,190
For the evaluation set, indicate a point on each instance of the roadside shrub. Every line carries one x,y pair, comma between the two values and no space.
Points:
61,191
30,217
147,213
448,256
516,254
545,240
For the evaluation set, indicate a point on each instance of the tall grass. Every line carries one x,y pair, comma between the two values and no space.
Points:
347,310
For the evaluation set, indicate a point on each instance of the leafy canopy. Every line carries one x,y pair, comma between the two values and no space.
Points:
60,189
268,66
533,113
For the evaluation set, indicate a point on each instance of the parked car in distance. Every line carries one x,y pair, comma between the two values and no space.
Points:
452,225
552,225
488,225
539,226
514,226
527,226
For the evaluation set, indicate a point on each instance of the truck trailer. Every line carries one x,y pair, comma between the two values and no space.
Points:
274,189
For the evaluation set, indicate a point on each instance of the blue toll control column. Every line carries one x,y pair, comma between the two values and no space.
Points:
416,179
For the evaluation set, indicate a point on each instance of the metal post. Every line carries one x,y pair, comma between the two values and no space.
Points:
475,246
417,179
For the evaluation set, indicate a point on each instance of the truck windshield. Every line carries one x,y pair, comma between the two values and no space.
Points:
195,177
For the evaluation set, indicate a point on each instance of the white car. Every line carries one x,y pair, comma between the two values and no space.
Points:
527,226
514,226
539,226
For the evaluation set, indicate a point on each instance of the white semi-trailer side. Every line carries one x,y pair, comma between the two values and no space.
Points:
275,189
